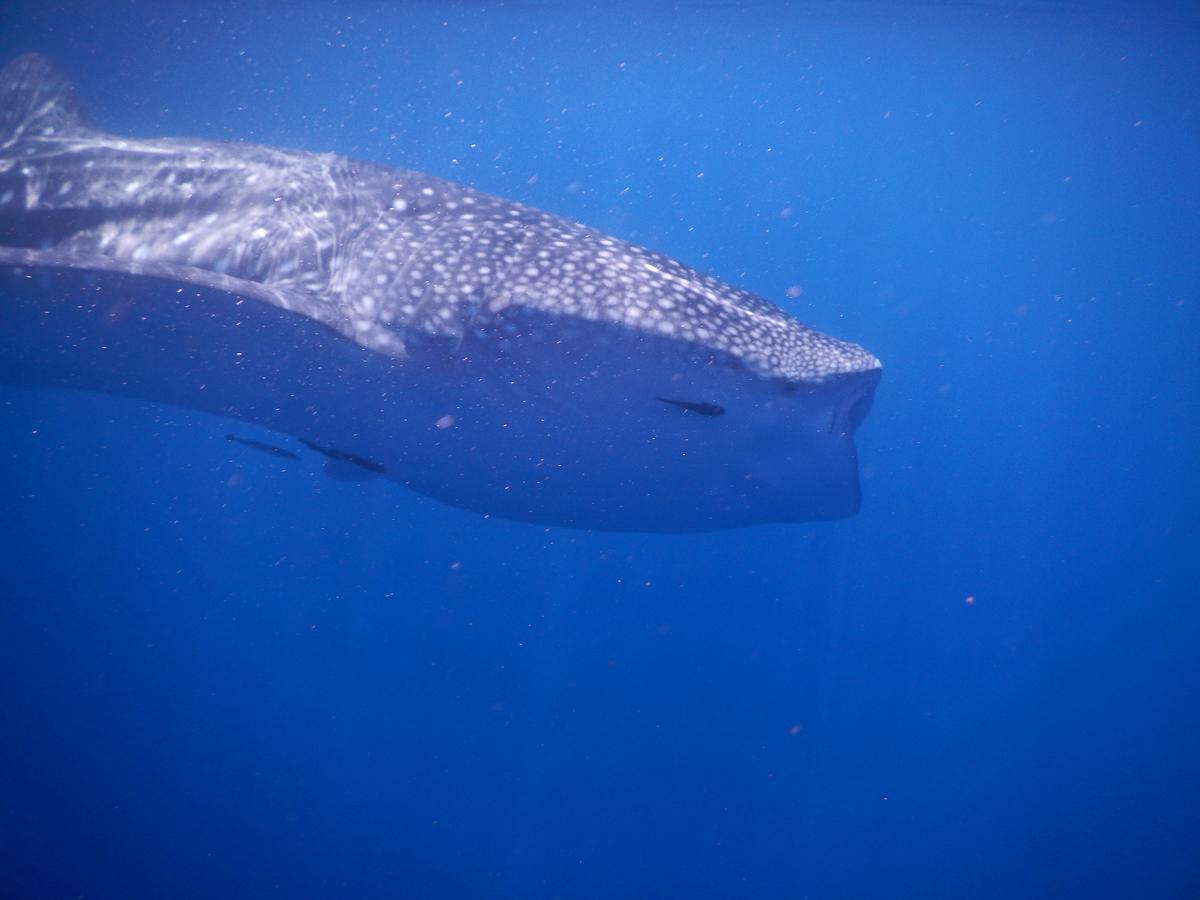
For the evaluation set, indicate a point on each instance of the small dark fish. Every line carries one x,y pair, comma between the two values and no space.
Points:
343,456
701,409
262,446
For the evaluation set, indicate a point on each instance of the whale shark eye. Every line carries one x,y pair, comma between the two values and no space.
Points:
700,408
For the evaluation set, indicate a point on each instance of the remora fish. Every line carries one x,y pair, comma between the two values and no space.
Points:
262,446
494,356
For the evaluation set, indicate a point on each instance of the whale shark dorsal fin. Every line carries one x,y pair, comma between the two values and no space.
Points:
38,100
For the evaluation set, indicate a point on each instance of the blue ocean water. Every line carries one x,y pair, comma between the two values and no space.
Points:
221,676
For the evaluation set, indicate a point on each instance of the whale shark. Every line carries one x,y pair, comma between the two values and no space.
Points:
474,349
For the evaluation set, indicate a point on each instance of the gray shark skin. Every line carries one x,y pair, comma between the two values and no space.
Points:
493,356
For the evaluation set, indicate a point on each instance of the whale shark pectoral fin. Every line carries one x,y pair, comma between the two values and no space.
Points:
170,334
100,267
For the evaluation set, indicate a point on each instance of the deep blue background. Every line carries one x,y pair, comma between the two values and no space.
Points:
224,677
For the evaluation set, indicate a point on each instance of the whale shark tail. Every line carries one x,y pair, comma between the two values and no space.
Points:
38,100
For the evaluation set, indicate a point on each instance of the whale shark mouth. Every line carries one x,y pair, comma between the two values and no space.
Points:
856,401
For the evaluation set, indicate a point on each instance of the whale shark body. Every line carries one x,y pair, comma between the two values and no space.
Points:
491,355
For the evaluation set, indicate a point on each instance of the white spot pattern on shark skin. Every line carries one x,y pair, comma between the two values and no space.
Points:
411,237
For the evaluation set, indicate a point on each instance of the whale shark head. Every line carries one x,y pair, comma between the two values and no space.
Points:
611,427
497,357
